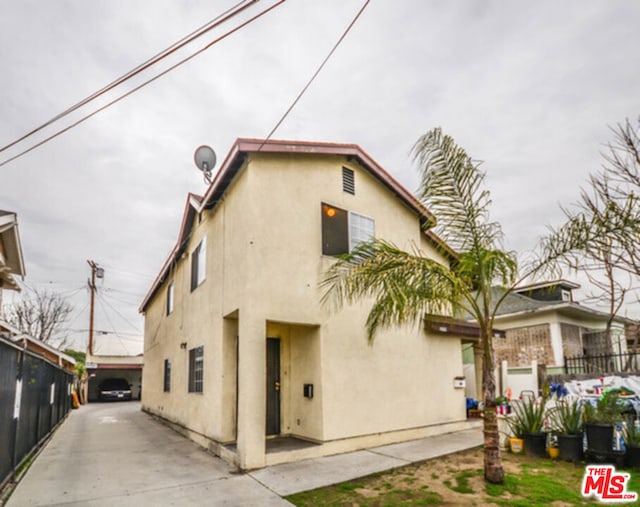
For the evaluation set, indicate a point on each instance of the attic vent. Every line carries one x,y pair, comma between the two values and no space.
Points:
348,181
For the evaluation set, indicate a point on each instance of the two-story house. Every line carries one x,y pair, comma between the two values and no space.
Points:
239,352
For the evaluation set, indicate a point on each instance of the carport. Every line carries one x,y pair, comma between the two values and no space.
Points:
100,368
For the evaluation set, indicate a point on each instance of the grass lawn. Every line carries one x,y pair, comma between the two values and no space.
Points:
457,479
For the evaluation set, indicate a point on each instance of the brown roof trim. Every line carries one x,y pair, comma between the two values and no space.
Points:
450,326
103,366
235,159
323,148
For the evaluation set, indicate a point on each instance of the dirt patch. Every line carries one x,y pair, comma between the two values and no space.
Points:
458,479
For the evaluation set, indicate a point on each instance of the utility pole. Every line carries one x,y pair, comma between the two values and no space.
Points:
98,272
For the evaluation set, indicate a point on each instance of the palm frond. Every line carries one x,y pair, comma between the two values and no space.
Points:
451,188
403,286
487,267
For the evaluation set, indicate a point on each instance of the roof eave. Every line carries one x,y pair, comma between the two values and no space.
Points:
567,308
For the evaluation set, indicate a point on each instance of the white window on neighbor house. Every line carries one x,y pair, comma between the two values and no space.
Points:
342,230
167,375
198,264
170,298
196,369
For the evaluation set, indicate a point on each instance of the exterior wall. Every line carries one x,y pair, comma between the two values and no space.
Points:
263,268
564,336
525,344
571,340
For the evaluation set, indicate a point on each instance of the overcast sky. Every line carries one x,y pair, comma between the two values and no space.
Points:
528,87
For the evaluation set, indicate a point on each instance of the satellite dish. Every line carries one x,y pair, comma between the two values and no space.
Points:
205,159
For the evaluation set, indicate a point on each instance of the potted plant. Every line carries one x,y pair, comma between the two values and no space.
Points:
599,426
631,436
516,444
527,420
568,423
502,405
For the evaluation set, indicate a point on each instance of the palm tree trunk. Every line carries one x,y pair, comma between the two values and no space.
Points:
493,471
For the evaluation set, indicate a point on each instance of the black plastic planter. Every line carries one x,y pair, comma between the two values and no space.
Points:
535,444
571,448
600,445
632,456
599,437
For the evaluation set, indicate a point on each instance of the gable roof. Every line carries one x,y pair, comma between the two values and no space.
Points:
516,305
234,161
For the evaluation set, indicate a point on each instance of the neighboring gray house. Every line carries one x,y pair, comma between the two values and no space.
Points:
543,323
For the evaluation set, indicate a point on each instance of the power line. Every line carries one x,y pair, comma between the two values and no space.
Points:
286,113
142,85
102,298
137,70
120,300
135,294
103,332
112,326
112,269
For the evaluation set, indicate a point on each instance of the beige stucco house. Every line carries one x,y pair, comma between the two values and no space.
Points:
239,353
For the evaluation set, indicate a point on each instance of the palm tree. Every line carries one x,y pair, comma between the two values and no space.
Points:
408,286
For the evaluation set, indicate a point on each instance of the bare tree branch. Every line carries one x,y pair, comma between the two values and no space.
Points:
41,314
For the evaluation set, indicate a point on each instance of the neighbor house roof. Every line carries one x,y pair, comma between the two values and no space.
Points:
236,158
11,261
565,284
51,353
515,305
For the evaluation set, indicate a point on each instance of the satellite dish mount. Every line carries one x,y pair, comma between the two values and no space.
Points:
205,159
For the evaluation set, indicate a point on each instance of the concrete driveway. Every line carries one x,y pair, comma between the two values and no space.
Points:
109,454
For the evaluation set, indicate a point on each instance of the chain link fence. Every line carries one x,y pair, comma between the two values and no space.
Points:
35,395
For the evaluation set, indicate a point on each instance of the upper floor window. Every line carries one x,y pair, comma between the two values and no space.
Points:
342,230
170,297
196,369
361,228
198,264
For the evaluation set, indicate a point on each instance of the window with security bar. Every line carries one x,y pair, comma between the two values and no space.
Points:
196,369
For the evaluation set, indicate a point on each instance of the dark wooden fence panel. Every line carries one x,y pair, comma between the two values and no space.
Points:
35,395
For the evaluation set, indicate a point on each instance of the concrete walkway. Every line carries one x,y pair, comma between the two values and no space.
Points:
113,454
291,478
